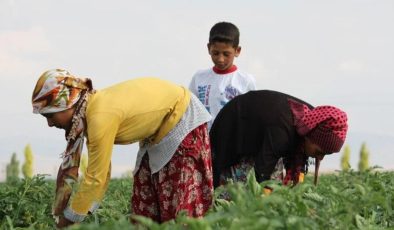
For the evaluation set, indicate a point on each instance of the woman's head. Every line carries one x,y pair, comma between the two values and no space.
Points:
57,90
324,126
60,120
324,130
329,134
313,150
56,93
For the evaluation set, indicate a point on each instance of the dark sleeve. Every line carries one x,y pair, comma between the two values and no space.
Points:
276,143
269,131
225,137
257,125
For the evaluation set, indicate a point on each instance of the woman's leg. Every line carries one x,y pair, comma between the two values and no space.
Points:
144,200
185,183
239,172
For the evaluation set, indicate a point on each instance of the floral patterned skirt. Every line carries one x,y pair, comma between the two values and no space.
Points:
185,183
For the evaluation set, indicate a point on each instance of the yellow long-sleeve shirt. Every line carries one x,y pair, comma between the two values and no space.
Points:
135,110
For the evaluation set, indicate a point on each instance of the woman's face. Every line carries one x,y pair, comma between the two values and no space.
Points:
61,120
313,150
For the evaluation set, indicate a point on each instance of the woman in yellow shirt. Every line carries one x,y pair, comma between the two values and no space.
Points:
173,170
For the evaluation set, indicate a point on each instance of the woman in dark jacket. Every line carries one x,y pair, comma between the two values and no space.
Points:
260,128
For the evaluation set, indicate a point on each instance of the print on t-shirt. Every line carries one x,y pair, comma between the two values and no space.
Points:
203,95
204,92
229,93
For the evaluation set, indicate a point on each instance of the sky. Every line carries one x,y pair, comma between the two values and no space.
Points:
338,52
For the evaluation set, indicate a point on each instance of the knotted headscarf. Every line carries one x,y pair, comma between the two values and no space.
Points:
57,90
325,126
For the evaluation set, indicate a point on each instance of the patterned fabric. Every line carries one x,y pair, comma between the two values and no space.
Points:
68,171
326,126
185,183
239,172
55,91
161,153
279,171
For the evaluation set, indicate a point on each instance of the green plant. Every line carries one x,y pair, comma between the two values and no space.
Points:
27,203
345,159
27,167
363,164
344,200
12,169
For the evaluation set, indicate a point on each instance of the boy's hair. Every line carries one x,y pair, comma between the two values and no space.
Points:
224,32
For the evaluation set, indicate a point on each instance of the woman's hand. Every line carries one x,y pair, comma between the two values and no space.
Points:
63,222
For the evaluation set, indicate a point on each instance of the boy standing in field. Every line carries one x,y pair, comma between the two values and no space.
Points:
218,85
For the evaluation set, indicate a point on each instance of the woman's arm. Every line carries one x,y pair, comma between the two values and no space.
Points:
101,135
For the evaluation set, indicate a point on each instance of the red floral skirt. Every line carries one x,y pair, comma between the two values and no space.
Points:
184,183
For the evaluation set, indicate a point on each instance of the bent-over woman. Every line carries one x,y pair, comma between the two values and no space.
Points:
173,170
260,129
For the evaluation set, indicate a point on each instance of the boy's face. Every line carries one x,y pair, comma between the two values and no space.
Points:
223,54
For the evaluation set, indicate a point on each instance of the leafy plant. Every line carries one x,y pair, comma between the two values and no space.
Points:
364,158
12,170
26,204
27,167
345,159
344,200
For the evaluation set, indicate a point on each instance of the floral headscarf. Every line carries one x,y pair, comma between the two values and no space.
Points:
57,90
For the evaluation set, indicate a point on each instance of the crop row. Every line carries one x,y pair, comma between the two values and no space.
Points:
351,200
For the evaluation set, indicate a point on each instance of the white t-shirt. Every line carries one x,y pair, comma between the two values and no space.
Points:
215,88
